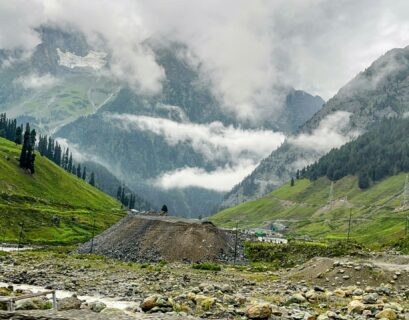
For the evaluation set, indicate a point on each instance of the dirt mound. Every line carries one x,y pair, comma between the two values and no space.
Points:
147,238
351,271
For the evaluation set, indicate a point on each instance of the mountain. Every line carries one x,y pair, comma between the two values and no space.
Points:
50,206
381,91
65,89
60,81
366,178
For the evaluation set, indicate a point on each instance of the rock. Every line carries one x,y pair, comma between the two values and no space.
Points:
358,292
356,307
69,303
27,304
296,298
259,311
97,306
370,298
394,306
311,295
386,314
204,303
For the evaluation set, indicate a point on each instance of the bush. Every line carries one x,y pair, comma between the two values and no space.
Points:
207,266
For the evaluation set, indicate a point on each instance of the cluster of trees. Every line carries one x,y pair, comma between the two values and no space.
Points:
380,152
9,129
127,199
52,150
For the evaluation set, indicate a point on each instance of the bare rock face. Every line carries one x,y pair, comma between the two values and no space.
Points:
154,238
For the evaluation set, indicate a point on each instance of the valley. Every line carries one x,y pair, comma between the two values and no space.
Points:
238,160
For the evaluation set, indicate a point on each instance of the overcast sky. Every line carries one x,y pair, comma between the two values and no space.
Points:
246,47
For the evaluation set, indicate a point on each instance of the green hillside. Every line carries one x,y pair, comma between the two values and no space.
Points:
377,213
52,205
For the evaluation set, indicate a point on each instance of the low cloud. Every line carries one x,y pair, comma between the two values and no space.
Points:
214,140
36,81
222,179
329,134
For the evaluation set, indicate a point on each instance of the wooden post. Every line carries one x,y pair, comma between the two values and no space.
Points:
235,243
11,305
55,306
349,224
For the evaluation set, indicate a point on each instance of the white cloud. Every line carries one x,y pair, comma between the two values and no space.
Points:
17,22
247,49
213,140
222,179
329,133
36,81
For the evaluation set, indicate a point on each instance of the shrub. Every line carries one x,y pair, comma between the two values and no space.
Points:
207,266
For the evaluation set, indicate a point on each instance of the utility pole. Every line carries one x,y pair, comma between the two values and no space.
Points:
20,236
93,234
406,194
235,243
349,224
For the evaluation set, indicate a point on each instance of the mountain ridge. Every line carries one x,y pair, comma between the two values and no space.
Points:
379,91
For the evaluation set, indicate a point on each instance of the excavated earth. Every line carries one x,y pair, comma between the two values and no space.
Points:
156,238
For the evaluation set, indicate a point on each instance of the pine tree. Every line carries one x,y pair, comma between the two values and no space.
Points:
50,149
69,165
65,157
84,174
123,195
164,208
33,138
30,159
297,175
79,171
19,136
92,179
119,192
292,182
23,156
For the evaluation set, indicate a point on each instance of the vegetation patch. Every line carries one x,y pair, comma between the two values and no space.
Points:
207,266
296,252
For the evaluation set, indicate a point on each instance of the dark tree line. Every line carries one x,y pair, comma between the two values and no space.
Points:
9,129
380,152
51,149
127,199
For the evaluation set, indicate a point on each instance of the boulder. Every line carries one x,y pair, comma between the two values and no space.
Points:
97,306
356,307
149,303
259,311
370,298
296,298
27,304
386,314
69,303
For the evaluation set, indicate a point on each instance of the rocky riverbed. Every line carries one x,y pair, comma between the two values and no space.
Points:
323,288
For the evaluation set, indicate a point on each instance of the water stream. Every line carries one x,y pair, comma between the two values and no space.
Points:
110,302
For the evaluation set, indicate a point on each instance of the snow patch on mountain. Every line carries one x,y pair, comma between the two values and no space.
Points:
94,60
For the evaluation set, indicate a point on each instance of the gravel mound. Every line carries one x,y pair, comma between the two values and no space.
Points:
151,239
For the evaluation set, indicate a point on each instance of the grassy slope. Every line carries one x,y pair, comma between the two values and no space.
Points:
304,210
51,192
